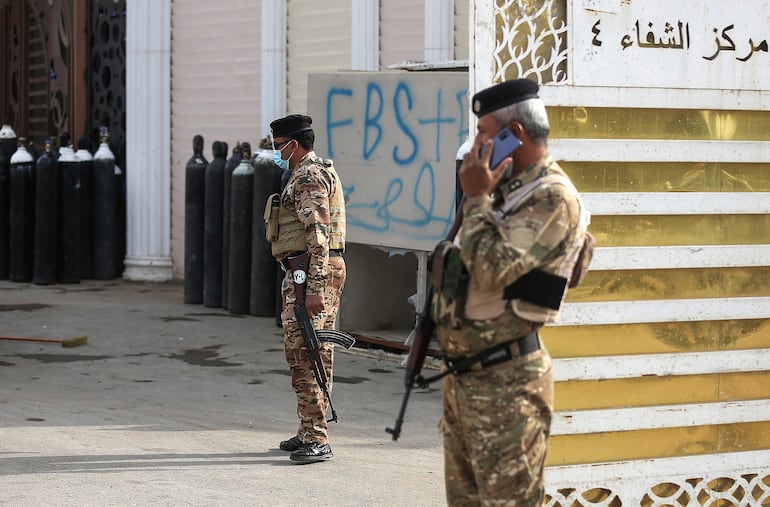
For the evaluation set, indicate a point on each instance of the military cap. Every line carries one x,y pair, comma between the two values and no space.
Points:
290,125
503,94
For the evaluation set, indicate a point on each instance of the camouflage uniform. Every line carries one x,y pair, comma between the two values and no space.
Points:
497,420
308,193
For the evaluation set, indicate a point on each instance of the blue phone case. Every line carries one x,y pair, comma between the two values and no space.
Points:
505,143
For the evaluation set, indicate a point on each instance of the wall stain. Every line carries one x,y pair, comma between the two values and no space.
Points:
3,363
349,380
178,319
23,307
62,358
207,356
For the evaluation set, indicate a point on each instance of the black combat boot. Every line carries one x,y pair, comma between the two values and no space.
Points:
312,453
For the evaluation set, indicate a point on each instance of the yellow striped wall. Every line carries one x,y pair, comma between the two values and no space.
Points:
662,357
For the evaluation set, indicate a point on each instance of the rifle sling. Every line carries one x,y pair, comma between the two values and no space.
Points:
487,358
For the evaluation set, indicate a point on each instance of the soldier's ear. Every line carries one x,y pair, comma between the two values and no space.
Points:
517,129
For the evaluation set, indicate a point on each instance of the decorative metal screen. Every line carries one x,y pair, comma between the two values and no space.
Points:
531,40
107,73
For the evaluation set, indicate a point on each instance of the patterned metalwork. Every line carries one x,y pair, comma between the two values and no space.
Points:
39,60
531,40
107,73
743,490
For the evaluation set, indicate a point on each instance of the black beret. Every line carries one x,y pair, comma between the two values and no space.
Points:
503,94
290,125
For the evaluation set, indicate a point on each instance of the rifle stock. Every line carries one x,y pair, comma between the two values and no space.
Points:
298,267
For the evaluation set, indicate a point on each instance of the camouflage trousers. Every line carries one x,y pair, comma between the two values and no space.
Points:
496,425
311,401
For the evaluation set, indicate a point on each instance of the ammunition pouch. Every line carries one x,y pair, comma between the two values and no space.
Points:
272,206
450,282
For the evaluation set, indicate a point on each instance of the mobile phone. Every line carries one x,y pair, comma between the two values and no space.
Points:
505,143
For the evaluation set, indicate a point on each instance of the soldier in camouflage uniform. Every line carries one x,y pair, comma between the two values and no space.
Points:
311,219
522,227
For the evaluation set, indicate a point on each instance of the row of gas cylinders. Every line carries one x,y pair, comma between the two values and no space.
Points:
59,211
227,260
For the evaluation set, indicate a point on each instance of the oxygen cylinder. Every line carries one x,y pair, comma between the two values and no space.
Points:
212,227
69,241
233,162
22,215
7,149
46,206
241,204
105,214
195,202
86,171
267,181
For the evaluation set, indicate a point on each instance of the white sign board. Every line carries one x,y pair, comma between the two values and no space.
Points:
671,44
394,138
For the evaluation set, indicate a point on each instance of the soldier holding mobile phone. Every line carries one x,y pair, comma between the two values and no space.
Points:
521,233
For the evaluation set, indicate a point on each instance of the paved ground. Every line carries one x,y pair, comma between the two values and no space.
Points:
174,404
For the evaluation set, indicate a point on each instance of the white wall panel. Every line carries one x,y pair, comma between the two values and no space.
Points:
402,28
318,40
215,88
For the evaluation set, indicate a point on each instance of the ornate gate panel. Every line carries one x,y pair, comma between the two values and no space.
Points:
38,91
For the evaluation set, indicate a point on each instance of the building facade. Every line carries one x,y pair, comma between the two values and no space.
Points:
660,114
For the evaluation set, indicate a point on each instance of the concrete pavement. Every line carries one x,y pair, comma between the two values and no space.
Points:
175,404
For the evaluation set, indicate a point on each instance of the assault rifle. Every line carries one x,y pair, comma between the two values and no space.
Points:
423,333
298,267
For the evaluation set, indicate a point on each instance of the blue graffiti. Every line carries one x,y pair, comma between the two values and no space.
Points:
331,125
371,121
438,120
462,106
407,203
387,214
403,89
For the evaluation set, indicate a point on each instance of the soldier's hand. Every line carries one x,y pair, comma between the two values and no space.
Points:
314,304
476,178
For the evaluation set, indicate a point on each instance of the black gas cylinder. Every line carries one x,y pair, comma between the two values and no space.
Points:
46,211
194,216
212,227
241,204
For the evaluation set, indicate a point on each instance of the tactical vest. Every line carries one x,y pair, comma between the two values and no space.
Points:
286,232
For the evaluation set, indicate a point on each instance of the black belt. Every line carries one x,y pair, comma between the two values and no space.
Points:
495,355
487,358
285,266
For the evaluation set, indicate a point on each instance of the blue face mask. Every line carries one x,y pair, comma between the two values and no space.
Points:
283,164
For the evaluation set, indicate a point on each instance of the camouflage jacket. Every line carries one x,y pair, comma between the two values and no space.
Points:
543,231
314,193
